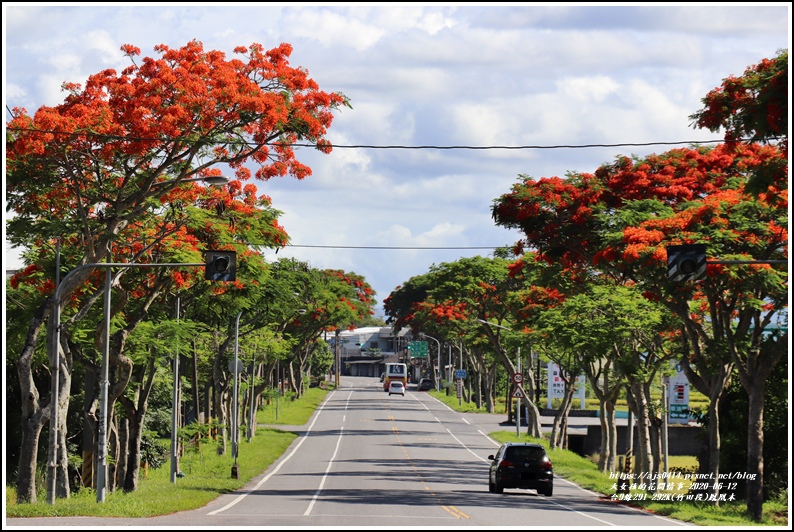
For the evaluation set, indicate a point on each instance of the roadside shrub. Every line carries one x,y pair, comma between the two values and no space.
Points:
153,452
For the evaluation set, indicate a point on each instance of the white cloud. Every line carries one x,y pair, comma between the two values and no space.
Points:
588,90
330,28
428,75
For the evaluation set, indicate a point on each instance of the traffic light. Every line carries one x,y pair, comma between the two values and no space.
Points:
686,262
220,265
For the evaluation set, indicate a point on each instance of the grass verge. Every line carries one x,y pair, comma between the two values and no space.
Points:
207,474
584,472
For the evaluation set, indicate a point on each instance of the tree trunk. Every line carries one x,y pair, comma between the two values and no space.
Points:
220,384
755,452
135,415
34,416
714,444
135,435
533,423
607,393
607,461
292,379
26,475
711,378
122,452
223,419
195,385
490,405
478,391
655,433
559,429
754,369
644,463
90,408
209,414
113,447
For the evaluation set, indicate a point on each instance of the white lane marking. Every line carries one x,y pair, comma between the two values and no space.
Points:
547,500
284,461
327,469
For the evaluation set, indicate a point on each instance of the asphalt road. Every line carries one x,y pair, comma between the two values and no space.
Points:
367,459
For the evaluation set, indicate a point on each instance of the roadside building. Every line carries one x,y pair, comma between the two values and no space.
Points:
365,351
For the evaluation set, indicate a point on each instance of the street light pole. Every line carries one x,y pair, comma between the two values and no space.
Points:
234,411
449,364
518,399
438,379
52,459
55,357
175,409
101,483
252,417
665,407
103,397
337,350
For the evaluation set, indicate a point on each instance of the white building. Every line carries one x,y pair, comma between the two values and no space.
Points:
366,351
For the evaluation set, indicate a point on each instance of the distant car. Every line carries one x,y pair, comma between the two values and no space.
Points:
397,387
521,466
424,385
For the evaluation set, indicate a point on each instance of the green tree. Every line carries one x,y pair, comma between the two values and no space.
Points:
756,105
118,152
619,336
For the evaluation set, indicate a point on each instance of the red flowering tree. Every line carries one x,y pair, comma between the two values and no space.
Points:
110,163
620,219
475,297
621,340
753,105
328,300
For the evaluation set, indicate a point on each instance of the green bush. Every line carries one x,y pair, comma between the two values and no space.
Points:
153,452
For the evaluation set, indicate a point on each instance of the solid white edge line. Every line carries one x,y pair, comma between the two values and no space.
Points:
281,463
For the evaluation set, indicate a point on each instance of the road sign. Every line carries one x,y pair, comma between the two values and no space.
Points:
518,378
518,393
418,349
460,373
240,367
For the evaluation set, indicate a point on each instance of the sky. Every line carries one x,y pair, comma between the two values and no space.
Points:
452,103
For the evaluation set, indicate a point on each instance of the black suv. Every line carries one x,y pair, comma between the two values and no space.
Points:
424,385
522,466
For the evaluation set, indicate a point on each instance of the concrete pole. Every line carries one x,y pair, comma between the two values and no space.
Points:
175,411
104,382
665,382
235,408
518,399
102,458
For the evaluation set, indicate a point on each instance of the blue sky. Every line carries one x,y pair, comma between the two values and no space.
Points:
528,74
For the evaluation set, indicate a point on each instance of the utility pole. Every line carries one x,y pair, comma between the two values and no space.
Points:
175,409
338,360
235,421
518,399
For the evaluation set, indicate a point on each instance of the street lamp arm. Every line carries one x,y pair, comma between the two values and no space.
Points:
214,180
494,325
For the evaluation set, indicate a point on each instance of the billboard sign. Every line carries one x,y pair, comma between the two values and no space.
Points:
678,398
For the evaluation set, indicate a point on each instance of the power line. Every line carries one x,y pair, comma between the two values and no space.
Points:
397,146
394,247
525,147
